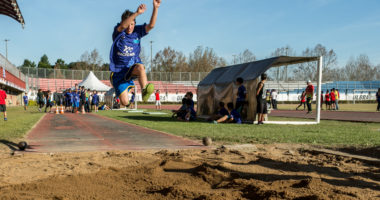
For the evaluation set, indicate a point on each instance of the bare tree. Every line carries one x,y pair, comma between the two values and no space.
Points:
204,60
360,69
281,73
95,60
169,60
309,70
245,57
92,61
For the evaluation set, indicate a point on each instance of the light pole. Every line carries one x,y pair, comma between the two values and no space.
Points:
6,48
151,55
286,67
234,58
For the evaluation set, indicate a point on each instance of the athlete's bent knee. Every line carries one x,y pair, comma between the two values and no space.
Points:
124,99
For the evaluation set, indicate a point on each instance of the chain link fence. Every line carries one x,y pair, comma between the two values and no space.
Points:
104,75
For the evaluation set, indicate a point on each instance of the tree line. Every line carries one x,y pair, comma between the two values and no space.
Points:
205,59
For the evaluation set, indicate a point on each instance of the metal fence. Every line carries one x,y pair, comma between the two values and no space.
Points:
104,75
11,68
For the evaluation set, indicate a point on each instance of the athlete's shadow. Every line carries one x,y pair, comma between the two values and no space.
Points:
11,145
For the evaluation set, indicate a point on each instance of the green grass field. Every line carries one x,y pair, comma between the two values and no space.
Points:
367,107
19,122
328,133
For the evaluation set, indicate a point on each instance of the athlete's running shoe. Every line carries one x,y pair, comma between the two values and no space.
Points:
147,91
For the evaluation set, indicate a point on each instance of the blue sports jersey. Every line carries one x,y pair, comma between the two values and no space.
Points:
25,98
125,50
69,97
236,116
76,97
95,99
241,93
133,98
223,112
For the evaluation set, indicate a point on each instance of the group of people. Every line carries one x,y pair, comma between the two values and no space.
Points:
186,112
232,114
331,99
71,100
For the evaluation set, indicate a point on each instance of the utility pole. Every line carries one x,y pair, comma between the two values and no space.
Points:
151,55
286,67
6,48
234,58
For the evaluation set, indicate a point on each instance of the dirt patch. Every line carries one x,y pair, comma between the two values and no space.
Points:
268,172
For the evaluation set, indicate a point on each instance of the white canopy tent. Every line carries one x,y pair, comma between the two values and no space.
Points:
92,82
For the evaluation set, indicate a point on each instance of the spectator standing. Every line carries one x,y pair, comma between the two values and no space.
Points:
132,101
268,99
261,102
274,99
337,96
321,100
40,99
83,100
3,106
332,98
309,96
88,100
303,100
95,100
241,95
76,101
158,101
49,101
26,101
327,100
378,99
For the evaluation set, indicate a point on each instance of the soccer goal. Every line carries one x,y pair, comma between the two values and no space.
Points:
287,81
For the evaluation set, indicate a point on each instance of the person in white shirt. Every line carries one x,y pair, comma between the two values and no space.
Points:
274,99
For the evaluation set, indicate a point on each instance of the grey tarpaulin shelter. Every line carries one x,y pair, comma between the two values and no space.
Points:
219,84
93,83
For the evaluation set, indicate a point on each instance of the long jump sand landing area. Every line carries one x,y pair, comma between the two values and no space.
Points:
330,115
90,132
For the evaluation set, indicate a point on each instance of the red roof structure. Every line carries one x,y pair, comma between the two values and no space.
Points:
10,8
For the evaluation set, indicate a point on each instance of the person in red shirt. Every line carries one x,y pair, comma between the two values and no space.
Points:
3,106
327,100
309,96
321,100
332,96
303,100
158,101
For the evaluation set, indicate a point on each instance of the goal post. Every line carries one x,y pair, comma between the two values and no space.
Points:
288,87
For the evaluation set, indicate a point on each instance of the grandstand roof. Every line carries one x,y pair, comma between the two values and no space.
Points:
10,8
93,83
251,70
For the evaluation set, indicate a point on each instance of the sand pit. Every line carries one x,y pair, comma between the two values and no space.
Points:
245,172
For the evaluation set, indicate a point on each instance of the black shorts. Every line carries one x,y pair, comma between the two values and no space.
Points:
3,108
262,106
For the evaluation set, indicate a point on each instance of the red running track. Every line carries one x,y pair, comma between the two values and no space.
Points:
91,132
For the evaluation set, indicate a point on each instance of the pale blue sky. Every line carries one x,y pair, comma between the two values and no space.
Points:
67,28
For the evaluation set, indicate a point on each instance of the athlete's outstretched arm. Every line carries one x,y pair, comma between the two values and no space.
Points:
125,23
152,23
